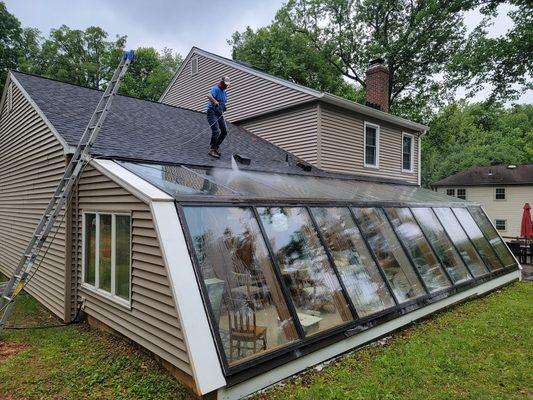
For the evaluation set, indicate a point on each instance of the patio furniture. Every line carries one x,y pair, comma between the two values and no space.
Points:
244,333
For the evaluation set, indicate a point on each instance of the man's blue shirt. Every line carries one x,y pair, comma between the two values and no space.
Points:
220,95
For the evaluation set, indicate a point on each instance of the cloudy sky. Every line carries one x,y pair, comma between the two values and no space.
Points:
176,24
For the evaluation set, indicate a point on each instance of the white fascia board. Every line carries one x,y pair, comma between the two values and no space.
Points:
207,371
66,146
140,188
293,367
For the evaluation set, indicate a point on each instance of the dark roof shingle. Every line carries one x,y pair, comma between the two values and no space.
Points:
493,175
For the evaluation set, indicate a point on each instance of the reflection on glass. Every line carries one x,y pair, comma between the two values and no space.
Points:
441,244
389,253
419,249
90,248
493,236
482,245
245,296
357,269
461,241
314,287
105,253
123,256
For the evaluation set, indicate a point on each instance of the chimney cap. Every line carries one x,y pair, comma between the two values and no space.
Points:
376,61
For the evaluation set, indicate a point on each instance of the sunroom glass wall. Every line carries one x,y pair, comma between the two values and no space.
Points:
418,248
357,269
244,294
313,284
389,253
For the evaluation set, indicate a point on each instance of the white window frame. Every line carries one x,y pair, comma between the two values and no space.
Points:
96,288
504,193
412,161
457,193
504,223
378,134
450,194
9,98
194,60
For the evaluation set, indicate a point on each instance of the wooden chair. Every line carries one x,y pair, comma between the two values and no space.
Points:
242,286
243,329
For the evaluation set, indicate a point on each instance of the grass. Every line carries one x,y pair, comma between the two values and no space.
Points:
478,350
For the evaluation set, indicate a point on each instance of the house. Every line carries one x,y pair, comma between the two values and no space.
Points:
233,278
502,191
327,131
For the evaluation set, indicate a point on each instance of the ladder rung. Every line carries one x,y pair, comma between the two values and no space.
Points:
9,299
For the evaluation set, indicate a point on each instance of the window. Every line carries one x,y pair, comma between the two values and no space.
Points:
194,65
9,98
371,144
107,254
407,152
501,224
450,192
499,194
461,193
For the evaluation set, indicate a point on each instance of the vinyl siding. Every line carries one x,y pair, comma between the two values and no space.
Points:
342,145
153,320
248,95
510,209
294,130
32,163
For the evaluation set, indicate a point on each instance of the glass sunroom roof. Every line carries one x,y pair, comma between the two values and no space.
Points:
180,181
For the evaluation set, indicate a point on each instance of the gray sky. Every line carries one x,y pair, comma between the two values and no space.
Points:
177,24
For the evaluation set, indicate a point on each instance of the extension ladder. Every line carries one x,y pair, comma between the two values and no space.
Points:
21,274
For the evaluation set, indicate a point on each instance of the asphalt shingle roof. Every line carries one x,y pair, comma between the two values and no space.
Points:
493,175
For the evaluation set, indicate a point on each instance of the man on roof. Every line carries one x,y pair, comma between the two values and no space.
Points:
216,105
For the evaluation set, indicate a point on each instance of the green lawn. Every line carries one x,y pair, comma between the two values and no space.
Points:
478,350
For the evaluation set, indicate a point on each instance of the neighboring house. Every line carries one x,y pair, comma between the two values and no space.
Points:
234,279
502,190
328,131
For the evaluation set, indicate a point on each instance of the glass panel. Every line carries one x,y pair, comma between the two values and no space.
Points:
104,268
314,287
419,249
389,253
459,238
493,237
407,140
244,294
122,256
90,248
356,267
482,245
371,145
441,244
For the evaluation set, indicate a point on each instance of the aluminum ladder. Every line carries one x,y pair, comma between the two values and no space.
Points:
21,274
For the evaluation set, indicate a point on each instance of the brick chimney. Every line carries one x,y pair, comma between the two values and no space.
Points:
377,85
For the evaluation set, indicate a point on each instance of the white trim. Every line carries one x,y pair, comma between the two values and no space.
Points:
195,58
419,155
412,155
293,367
205,365
113,253
377,128
137,186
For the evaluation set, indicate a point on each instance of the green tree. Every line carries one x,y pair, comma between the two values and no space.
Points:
151,73
10,40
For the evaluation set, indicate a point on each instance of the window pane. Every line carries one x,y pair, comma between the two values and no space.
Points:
493,237
370,155
441,244
419,249
123,257
314,287
459,238
461,193
450,192
244,293
482,245
407,142
500,193
356,267
371,145
104,269
389,253
90,248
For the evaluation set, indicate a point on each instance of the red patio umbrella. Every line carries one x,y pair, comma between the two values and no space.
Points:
526,229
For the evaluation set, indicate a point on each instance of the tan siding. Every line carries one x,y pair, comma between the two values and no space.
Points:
510,209
152,320
31,165
248,95
294,130
342,145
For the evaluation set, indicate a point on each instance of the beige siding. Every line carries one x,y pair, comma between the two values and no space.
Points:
342,146
248,95
152,320
294,130
31,165
510,209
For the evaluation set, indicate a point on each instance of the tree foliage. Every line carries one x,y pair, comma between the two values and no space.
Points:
10,41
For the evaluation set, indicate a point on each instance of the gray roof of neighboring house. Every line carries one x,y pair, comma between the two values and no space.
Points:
154,132
322,96
493,175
